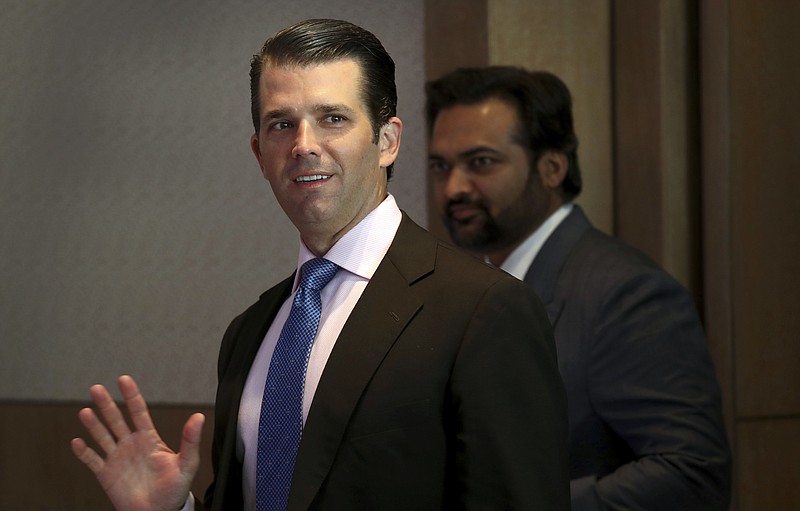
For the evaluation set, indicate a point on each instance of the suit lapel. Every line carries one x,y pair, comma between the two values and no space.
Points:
254,331
382,313
544,272
240,356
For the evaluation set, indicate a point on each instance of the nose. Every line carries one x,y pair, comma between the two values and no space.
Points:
457,182
305,143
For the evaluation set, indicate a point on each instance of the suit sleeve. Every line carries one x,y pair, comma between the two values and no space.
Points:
650,379
509,407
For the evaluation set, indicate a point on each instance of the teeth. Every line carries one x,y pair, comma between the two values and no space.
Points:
306,179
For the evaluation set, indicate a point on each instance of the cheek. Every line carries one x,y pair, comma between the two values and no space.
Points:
363,158
266,158
439,195
499,193
268,168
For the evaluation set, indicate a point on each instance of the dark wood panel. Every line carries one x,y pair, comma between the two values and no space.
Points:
38,471
456,35
716,196
768,472
638,193
765,78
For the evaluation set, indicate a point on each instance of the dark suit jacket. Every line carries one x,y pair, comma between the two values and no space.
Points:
645,426
442,392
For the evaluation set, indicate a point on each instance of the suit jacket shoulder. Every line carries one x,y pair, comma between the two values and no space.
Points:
641,387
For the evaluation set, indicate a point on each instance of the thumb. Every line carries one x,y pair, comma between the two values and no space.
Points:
190,444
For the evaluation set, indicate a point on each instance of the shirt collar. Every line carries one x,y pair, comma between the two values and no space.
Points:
518,262
362,248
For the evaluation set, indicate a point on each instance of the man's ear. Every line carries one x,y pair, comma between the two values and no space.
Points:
552,167
256,148
389,141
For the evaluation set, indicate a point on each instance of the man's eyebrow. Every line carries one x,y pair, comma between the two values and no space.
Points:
466,154
276,114
328,108
325,108
481,149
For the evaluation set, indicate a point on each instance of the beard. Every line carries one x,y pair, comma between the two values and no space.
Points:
484,233
481,232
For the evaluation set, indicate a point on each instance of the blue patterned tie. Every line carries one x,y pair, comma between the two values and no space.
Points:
281,422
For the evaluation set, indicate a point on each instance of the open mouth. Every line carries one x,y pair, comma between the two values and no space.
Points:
311,179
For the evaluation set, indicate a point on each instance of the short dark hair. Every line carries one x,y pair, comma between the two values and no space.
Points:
320,41
543,104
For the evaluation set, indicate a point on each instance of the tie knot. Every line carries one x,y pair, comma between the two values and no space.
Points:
316,273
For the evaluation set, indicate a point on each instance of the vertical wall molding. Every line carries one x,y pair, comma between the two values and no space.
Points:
656,174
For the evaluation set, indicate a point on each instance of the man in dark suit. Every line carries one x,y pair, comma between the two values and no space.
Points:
645,426
432,380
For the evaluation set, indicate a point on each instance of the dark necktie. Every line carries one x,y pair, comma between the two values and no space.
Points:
281,423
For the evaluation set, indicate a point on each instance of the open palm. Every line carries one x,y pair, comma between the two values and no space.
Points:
139,471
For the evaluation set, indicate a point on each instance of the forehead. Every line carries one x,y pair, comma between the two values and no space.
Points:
492,121
336,81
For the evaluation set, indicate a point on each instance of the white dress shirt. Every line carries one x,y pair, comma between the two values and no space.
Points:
358,254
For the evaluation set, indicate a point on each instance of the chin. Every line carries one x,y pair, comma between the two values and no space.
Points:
467,240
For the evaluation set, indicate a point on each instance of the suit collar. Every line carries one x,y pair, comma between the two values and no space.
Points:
543,273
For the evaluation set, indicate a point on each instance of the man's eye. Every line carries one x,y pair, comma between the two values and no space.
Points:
334,119
438,168
280,125
481,161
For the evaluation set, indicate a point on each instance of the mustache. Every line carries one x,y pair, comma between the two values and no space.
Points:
464,200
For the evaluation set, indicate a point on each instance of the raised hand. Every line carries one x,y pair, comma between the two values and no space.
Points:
139,472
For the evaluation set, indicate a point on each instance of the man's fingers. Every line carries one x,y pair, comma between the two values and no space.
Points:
97,430
110,412
190,444
137,406
87,455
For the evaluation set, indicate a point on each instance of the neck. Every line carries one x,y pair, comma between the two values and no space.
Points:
320,237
